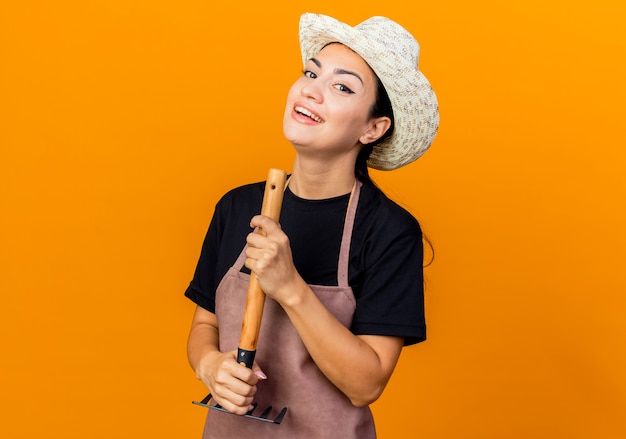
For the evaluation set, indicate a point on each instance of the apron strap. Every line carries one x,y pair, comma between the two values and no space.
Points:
346,239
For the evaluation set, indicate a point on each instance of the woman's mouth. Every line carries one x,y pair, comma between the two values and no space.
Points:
308,113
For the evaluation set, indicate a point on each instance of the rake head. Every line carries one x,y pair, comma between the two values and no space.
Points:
262,417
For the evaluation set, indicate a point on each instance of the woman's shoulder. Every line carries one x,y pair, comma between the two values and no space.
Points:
243,192
247,197
377,208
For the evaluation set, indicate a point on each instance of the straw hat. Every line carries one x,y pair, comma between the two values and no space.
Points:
392,52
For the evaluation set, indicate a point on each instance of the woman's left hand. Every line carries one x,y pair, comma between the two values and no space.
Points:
269,257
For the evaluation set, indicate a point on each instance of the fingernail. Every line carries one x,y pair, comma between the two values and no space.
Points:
260,375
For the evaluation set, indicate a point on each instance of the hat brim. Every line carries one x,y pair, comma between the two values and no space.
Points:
414,104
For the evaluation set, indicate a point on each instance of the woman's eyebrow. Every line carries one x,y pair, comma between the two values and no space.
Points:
348,72
338,71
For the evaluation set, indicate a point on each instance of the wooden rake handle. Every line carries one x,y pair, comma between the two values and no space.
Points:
251,325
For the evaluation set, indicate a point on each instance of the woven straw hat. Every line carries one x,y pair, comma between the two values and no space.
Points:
392,53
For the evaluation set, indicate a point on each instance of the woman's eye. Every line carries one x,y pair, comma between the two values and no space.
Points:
310,74
343,88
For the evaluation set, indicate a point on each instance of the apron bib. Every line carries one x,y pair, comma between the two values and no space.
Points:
316,408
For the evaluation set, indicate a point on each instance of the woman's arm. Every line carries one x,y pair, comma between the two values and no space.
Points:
360,366
232,385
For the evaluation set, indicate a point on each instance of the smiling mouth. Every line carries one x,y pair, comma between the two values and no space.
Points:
308,114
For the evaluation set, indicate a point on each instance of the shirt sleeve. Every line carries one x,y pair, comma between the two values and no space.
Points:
223,242
201,289
390,299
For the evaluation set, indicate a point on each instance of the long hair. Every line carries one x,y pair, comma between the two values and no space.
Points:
381,108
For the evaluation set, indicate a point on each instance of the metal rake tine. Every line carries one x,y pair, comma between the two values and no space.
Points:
266,412
206,399
280,416
263,417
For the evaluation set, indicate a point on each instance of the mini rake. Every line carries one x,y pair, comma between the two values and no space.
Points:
255,301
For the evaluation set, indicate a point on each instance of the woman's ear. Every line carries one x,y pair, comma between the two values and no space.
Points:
378,127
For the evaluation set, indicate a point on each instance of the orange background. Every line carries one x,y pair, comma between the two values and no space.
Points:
123,121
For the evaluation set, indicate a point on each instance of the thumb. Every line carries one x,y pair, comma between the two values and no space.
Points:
258,372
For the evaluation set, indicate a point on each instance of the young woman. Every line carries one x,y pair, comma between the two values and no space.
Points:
342,270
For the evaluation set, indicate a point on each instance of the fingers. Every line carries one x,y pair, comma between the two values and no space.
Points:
233,401
266,224
237,397
267,245
259,259
233,385
258,372
269,257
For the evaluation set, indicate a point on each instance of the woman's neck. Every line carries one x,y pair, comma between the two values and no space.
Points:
316,181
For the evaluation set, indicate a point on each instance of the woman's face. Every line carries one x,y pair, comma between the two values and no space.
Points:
328,107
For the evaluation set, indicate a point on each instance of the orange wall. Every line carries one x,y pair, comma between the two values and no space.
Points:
123,121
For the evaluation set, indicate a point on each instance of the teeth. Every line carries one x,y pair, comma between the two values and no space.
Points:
308,113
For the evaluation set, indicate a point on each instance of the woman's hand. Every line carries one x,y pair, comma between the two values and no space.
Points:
269,256
231,384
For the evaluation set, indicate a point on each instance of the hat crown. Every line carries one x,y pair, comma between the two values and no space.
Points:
390,34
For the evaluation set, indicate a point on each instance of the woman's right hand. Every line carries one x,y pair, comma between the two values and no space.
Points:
231,384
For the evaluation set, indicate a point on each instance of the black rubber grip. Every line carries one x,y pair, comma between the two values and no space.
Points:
246,357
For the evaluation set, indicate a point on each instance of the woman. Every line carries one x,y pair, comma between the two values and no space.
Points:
342,271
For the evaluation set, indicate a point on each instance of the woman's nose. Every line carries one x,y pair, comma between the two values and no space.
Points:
312,90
